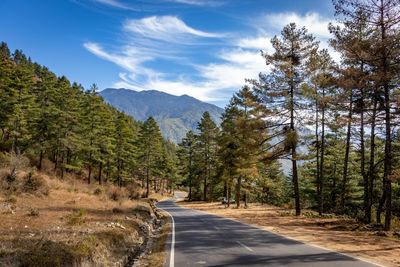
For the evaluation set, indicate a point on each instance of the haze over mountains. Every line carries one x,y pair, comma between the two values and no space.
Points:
175,115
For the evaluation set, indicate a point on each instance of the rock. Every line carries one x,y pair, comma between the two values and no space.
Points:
396,234
381,233
7,208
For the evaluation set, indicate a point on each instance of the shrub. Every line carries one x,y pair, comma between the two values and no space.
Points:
134,191
115,193
48,253
76,217
33,212
35,183
12,199
117,210
98,191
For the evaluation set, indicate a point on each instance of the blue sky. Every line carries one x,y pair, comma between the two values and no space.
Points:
203,48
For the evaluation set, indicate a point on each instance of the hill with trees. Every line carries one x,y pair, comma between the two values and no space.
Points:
176,115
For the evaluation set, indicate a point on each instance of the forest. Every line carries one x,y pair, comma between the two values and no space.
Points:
47,119
311,132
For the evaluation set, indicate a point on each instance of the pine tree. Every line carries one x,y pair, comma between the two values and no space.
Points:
186,155
383,16
281,92
151,148
207,148
321,67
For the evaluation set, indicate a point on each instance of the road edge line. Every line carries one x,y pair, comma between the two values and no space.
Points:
172,251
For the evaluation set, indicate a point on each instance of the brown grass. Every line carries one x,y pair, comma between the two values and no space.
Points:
72,224
337,233
158,254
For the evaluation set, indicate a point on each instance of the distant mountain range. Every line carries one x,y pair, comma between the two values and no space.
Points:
176,115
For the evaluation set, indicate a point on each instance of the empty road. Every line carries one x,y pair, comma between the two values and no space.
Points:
200,239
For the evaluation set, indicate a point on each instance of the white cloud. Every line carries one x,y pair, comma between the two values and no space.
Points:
314,23
130,59
171,39
165,28
260,43
199,2
115,3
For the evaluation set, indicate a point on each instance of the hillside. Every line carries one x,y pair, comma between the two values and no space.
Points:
175,114
46,221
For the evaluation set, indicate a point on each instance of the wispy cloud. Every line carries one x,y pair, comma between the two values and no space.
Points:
199,2
115,4
314,22
165,28
170,40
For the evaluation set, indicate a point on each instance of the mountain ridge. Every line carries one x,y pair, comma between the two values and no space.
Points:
175,115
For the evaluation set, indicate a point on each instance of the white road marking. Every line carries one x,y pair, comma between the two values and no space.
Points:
216,227
243,245
172,254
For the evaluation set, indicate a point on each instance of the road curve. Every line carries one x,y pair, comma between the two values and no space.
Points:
201,239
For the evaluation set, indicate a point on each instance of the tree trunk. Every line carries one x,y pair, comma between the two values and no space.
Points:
347,153
388,161
296,182
190,189
147,182
321,172
100,171
62,166
362,158
205,188
293,149
238,188
371,171
317,145
229,196
40,159
89,173
226,190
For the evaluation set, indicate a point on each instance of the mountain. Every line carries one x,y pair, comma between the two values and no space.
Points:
175,115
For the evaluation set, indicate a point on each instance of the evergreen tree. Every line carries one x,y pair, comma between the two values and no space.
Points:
151,148
207,146
281,92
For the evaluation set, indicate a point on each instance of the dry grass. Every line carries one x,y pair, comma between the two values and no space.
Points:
337,233
158,254
73,223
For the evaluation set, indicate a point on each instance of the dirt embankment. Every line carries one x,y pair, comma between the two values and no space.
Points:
45,221
336,233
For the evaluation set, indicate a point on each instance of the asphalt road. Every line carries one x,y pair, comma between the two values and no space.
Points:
200,239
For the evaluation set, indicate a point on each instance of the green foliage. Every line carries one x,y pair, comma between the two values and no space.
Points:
51,119
76,217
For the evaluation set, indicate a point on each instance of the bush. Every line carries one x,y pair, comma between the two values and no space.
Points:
117,210
34,183
49,253
98,191
33,212
12,199
76,217
116,193
134,191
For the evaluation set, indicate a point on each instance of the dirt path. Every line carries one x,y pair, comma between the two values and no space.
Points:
339,234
